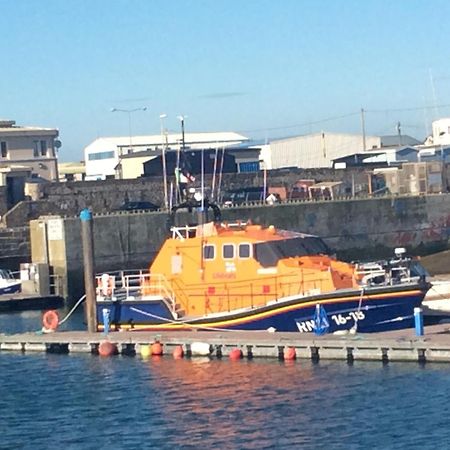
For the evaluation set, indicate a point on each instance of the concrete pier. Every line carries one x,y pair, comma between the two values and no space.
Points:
393,346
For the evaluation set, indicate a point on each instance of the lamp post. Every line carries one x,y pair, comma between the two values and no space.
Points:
164,148
181,119
264,167
129,112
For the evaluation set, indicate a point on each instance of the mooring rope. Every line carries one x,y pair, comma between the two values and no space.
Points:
73,309
182,322
354,328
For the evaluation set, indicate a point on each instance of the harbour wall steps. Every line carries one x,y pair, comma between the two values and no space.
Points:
386,347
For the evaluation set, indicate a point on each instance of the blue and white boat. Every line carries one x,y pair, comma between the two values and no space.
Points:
8,283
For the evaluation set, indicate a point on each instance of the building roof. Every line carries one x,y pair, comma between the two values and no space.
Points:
71,168
395,140
9,126
319,134
325,184
173,139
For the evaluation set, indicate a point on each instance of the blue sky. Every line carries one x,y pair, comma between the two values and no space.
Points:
264,68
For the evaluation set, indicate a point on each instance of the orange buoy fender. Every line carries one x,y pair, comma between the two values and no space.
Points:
50,320
235,354
178,352
289,354
157,349
107,348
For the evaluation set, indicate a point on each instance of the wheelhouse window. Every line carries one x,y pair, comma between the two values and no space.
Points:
228,251
209,252
268,253
244,251
3,149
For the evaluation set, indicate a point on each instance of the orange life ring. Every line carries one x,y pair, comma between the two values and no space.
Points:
50,320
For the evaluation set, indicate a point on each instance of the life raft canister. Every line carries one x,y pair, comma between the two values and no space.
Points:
50,320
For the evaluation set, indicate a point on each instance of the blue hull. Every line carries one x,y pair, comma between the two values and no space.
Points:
10,289
382,309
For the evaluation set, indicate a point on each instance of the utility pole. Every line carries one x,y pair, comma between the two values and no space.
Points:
399,131
363,126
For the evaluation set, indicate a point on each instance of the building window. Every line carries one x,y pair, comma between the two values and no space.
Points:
101,155
35,149
43,148
249,166
208,252
3,149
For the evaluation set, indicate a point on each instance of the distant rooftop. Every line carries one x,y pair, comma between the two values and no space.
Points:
7,123
395,140
9,126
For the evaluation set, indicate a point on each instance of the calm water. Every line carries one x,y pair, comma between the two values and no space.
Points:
88,402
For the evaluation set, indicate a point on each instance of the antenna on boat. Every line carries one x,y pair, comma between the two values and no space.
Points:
203,183
213,182
181,148
220,173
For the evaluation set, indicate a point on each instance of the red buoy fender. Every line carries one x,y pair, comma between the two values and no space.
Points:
235,354
157,348
50,320
289,354
107,348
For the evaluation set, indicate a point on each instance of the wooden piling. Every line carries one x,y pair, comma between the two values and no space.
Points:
89,270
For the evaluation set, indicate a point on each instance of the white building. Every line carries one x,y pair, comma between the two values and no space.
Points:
315,150
322,149
103,156
441,132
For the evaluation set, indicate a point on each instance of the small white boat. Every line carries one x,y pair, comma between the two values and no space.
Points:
8,284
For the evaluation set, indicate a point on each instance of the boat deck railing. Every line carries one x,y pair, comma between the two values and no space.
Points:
189,231
376,274
133,284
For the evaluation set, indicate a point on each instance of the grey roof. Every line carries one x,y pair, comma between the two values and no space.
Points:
394,139
143,154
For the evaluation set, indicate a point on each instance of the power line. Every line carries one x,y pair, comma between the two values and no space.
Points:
344,116
416,108
301,125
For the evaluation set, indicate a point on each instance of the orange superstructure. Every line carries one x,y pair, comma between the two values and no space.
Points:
217,267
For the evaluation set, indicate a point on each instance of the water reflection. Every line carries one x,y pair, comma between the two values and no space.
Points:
229,401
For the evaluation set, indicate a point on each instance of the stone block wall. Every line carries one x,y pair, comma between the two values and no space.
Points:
3,201
14,247
68,199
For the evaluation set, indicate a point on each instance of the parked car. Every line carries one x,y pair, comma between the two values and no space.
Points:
138,206
235,197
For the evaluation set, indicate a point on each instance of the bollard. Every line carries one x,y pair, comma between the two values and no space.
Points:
106,322
418,321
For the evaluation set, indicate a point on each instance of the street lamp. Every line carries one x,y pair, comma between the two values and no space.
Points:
262,163
129,112
181,119
164,148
